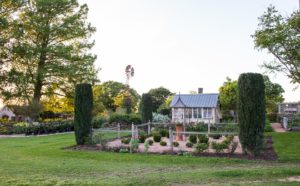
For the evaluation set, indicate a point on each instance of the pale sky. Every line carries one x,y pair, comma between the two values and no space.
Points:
181,44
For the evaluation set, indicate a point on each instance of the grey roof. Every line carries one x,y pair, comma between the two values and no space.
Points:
195,100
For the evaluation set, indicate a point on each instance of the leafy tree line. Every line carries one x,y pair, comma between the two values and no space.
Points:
229,94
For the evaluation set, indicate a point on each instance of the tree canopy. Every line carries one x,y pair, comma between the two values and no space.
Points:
280,36
44,49
159,96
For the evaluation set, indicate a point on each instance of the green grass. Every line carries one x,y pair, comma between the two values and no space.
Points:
42,161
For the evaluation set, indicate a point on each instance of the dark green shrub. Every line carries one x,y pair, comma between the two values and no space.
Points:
268,127
203,139
150,141
163,143
189,144
83,113
125,118
156,137
199,127
175,144
218,147
126,140
251,112
146,108
164,132
193,139
142,138
98,122
201,147
215,136
124,151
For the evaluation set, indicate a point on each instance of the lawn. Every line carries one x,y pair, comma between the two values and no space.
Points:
42,161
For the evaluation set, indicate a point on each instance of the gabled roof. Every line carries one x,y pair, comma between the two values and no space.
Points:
195,100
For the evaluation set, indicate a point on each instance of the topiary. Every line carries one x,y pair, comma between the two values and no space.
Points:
203,139
163,143
189,144
193,139
83,113
156,137
142,138
218,147
164,133
150,141
251,112
175,144
146,108
201,147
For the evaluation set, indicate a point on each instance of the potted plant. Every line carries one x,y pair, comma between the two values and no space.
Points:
179,136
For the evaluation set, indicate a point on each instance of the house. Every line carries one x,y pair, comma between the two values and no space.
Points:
194,108
289,108
7,113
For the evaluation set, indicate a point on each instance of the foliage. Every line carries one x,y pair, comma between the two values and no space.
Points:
268,127
233,147
159,96
274,95
83,113
49,127
189,144
123,151
44,50
146,108
228,99
165,108
175,144
98,138
163,143
134,145
218,147
164,133
98,121
146,146
142,138
203,138
156,137
58,104
126,140
193,139
159,118
201,147
215,136
199,127
279,35
125,118
251,112
150,141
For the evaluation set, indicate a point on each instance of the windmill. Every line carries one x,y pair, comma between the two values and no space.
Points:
129,72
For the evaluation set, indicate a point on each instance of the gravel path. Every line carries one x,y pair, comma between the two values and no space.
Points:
277,127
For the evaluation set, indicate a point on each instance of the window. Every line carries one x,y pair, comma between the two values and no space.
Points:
195,113
207,113
199,113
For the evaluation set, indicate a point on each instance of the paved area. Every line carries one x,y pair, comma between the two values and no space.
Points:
277,127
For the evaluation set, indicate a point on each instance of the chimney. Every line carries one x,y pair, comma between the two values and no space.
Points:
200,90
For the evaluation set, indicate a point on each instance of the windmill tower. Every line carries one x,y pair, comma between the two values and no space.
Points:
129,72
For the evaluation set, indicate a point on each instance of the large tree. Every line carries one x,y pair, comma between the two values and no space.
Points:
45,44
280,36
274,95
159,96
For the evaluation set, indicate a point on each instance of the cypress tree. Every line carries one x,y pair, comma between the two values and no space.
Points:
251,112
83,113
146,108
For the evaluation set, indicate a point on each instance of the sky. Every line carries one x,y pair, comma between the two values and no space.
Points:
181,44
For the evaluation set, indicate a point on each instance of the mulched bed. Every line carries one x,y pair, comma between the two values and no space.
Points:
267,154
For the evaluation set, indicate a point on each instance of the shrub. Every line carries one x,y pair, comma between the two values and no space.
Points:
199,127
125,118
215,136
203,139
126,140
98,121
83,113
146,146
163,143
49,127
201,147
150,141
175,144
218,147
134,143
159,118
146,108
189,144
164,132
142,138
193,139
123,151
156,137
251,112
268,127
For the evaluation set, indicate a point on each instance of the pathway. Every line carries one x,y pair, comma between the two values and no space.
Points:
277,127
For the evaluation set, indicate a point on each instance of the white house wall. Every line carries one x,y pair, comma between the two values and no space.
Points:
178,116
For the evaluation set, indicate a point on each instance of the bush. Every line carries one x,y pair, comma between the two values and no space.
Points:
150,141
159,118
125,118
126,140
83,113
164,133
175,144
189,144
98,121
201,147
200,127
163,143
268,127
134,145
215,136
123,150
142,138
156,137
193,139
218,147
203,139
251,112
49,127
